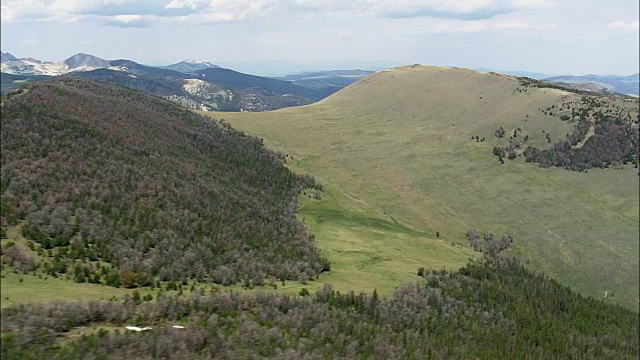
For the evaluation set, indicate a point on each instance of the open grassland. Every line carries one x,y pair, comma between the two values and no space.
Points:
21,288
398,143
368,251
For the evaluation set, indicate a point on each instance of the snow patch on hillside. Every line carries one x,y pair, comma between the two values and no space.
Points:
197,86
33,67
119,68
205,89
84,68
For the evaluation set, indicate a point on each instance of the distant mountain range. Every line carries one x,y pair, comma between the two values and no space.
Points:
203,85
86,62
194,84
188,66
322,79
623,84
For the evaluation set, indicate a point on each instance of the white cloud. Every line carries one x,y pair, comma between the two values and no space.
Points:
131,12
635,25
456,9
205,11
225,11
326,5
128,18
455,26
75,6
191,4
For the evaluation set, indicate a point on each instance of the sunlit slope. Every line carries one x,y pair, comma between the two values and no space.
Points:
399,141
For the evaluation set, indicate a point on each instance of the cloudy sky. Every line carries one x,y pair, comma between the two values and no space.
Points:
280,36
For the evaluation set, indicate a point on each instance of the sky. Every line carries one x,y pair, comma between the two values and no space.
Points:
275,37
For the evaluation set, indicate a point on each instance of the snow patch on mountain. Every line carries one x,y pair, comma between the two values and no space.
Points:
30,66
199,62
205,89
83,68
198,87
119,68
188,66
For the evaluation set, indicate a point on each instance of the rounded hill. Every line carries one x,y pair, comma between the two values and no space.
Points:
418,144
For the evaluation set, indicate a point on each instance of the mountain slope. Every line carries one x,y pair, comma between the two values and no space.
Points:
5,56
189,66
133,67
87,61
529,74
11,82
152,191
403,142
33,67
236,80
184,89
222,89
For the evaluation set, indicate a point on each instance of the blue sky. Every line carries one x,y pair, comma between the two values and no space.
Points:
279,36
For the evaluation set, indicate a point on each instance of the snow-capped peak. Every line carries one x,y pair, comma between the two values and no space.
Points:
198,62
189,65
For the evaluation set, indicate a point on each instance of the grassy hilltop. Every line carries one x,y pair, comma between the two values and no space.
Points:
399,144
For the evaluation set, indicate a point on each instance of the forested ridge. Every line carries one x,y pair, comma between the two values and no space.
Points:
117,187
489,309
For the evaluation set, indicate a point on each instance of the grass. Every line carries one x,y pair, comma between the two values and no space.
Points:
370,251
397,145
34,289
367,249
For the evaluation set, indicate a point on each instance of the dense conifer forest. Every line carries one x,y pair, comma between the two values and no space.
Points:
117,187
490,309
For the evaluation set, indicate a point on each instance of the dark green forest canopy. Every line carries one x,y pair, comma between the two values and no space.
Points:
101,174
493,309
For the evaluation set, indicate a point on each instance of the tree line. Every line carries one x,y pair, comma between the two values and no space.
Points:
491,308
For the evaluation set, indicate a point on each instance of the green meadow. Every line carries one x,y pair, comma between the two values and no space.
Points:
396,154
